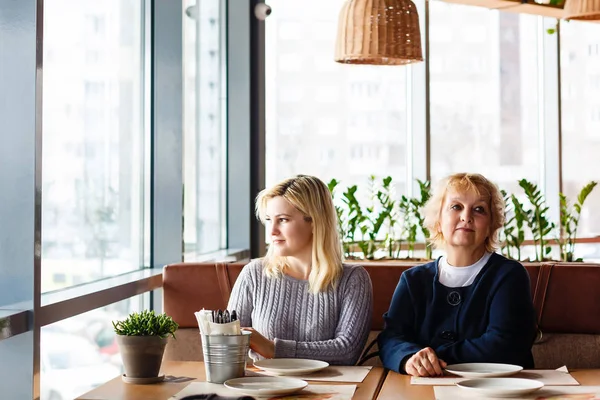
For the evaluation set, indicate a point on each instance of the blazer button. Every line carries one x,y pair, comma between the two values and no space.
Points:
449,335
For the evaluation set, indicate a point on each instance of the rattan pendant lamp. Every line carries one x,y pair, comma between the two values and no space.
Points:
378,32
585,10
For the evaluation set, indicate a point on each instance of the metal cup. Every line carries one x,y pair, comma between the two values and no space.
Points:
225,356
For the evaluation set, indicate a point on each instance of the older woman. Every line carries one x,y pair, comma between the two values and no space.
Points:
470,305
300,301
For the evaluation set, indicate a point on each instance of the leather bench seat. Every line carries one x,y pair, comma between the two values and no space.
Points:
566,298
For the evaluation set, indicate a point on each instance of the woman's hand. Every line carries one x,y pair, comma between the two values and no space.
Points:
425,363
260,344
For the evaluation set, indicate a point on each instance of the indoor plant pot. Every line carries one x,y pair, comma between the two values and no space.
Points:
142,338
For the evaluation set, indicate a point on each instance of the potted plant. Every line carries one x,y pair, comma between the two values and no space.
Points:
142,338
377,230
569,221
375,227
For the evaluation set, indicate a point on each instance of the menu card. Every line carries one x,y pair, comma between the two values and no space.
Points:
333,373
311,392
545,393
549,377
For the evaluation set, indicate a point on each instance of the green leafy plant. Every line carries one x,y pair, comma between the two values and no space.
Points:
537,220
552,31
513,231
381,222
146,323
388,206
377,214
367,225
409,224
413,218
341,217
506,234
385,223
418,203
569,221
520,219
355,216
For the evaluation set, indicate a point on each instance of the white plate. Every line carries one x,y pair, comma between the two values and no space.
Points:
266,386
290,366
500,387
483,370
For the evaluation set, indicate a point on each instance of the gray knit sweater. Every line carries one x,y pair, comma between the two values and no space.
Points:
331,326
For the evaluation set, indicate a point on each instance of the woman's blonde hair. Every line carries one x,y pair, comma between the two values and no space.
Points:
465,183
312,198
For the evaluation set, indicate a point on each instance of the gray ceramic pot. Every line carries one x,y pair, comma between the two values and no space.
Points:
141,355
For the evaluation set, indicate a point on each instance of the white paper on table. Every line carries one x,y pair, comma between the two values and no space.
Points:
545,393
333,373
563,369
229,328
207,327
315,392
549,377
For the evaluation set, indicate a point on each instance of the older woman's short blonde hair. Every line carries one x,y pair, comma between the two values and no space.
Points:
464,183
311,197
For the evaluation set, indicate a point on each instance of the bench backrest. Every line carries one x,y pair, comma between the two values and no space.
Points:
566,296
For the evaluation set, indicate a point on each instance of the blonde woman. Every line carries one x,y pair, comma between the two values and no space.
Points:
470,305
300,301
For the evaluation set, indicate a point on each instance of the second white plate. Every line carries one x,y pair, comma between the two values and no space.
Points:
265,386
500,387
290,366
483,370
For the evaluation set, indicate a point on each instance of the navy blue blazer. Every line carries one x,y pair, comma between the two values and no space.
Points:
492,320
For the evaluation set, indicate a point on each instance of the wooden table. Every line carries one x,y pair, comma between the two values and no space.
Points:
398,387
116,389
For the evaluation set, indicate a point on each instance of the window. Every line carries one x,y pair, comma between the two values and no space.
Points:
204,126
397,155
474,33
94,91
581,125
84,343
595,81
95,23
92,57
327,94
292,93
364,89
291,62
440,33
327,156
291,126
567,91
322,62
291,31
93,184
336,107
484,111
92,210
328,126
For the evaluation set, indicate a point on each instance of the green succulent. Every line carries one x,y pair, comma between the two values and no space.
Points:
146,323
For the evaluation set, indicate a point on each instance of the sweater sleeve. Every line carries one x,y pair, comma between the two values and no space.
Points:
511,328
352,328
396,341
241,299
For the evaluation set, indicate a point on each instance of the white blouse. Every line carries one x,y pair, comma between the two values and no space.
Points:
451,276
